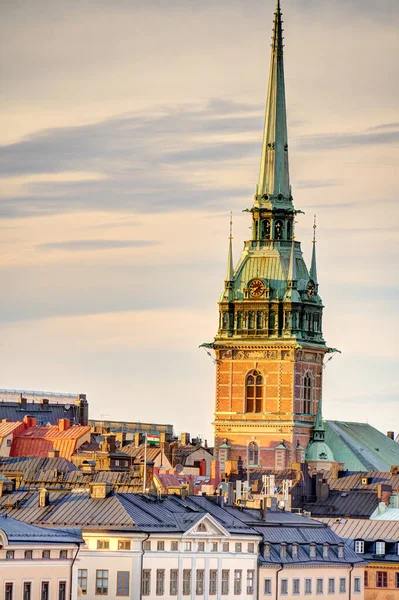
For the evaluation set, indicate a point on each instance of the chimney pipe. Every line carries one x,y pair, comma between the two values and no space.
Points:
391,435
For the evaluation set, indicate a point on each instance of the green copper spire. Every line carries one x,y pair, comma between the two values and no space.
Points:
313,268
274,173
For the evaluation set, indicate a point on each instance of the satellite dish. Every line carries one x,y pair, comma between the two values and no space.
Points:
179,468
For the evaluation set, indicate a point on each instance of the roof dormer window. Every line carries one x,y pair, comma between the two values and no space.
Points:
359,547
380,548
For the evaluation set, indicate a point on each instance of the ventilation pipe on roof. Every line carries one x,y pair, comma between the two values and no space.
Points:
44,498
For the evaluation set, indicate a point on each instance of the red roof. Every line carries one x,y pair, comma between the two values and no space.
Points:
38,441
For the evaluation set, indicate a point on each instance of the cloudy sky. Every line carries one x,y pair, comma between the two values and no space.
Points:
128,131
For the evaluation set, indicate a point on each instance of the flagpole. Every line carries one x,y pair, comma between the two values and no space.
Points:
145,464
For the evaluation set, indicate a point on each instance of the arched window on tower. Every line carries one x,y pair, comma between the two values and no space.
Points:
251,320
259,320
239,320
266,229
254,392
307,395
278,230
253,454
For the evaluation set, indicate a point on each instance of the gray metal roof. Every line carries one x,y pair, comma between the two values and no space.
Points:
344,503
21,533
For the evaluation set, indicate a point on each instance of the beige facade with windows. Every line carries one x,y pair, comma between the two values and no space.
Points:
303,582
206,561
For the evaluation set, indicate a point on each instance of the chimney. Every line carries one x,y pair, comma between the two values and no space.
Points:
137,439
53,453
394,470
184,438
30,421
99,490
43,498
384,492
44,402
391,435
63,424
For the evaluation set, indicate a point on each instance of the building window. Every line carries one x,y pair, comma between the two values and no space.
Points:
342,585
46,554
62,590
10,555
237,582
238,547
381,579
161,546
254,392
201,528
213,582
331,586
63,554
251,547
312,551
187,546
123,544
146,582
186,582
214,547
122,583
160,587
308,586
226,547
319,586
28,554
174,546
267,587
265,229
307,395
284,586
27,590
174,582
253,453
147,545
250,581
8,591
356,584
82,581
101,582
225,582
201,547
102,544
396,579
278,230
45,590
199,582
366,578
295,586
380,548
359,546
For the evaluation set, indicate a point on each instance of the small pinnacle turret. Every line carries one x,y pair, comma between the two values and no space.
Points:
230,268
313,268
274,172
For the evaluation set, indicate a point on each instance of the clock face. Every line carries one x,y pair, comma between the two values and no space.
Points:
256,288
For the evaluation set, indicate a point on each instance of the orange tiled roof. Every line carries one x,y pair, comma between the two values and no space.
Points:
7,427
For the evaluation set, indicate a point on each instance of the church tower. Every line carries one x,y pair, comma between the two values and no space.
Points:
269,346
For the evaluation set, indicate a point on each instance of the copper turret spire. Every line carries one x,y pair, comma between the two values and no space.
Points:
274,173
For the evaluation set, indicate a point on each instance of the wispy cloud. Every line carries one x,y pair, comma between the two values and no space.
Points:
83,245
